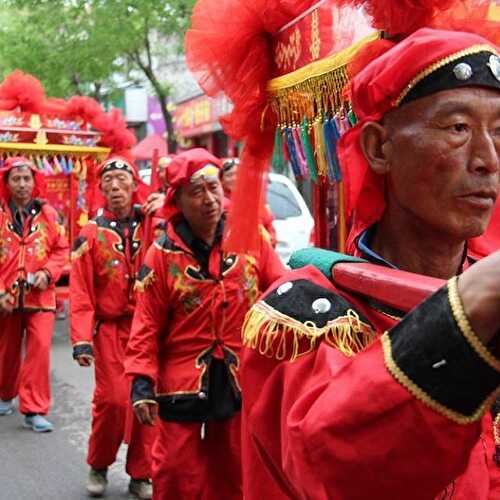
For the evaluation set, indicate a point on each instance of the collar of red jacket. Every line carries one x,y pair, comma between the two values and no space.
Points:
15,162
188,166
422,64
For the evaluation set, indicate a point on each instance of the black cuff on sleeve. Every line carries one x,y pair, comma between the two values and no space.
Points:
82,349
142,389
429,354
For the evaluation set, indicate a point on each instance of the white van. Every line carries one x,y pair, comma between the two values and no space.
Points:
292,219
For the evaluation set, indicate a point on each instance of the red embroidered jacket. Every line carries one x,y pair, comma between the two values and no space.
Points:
335,408
105,259
41,246
189,312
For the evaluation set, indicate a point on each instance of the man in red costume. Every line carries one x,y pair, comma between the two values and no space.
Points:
33,251
336,408
105,260
183,353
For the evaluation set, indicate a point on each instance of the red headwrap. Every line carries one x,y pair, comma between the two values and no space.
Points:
18,161
140,194
183,166
378,89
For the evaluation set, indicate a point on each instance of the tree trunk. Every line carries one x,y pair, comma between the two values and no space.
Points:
169,125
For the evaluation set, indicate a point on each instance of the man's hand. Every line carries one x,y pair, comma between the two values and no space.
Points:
7,302
154,202
85,360
146,413
479,289
41,280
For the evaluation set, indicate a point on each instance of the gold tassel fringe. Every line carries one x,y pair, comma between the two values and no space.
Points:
141,285
278,336
82,249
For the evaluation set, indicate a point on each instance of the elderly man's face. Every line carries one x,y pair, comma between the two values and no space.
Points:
201,202
118,186
442,159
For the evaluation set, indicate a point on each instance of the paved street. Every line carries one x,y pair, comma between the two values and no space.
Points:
52,466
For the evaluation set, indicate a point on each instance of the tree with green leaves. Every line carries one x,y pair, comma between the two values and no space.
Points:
86,46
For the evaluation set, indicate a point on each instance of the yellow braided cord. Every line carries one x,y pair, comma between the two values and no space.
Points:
141,285
464,325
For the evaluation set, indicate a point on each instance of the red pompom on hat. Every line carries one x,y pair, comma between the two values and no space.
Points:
21,161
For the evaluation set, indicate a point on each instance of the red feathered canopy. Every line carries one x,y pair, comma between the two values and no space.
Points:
23,92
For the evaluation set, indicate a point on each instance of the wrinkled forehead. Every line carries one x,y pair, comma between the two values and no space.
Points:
478,103
116,174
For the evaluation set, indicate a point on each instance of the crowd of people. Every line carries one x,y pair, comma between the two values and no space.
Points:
230,376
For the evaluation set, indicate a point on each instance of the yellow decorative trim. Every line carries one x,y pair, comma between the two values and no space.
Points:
464,325
439,64
496,430
167,250
421,395
54,148
145,401
141,285
82,249
319,68
279,336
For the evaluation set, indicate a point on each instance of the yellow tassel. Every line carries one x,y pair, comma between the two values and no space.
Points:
496,429
141,285
320,150
275,335
82,249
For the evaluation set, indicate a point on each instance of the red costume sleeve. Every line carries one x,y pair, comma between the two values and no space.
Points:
270,266
3,221
81,283
58,254
401,419
147,325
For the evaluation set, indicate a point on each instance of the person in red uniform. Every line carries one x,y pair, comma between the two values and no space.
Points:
33,251
105,260
183,352
336,408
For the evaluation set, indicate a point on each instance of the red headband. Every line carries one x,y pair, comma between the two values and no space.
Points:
16,162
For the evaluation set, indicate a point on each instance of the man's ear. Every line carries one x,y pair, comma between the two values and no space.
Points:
376,147
177,198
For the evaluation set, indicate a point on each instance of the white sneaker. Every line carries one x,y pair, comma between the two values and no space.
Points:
141,488
6,407
97,482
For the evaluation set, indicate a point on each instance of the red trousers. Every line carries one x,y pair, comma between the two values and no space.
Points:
28,377
187,467
113,420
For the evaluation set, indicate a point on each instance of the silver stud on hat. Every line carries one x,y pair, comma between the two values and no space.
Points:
462,71
322,305
494,65
284,288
